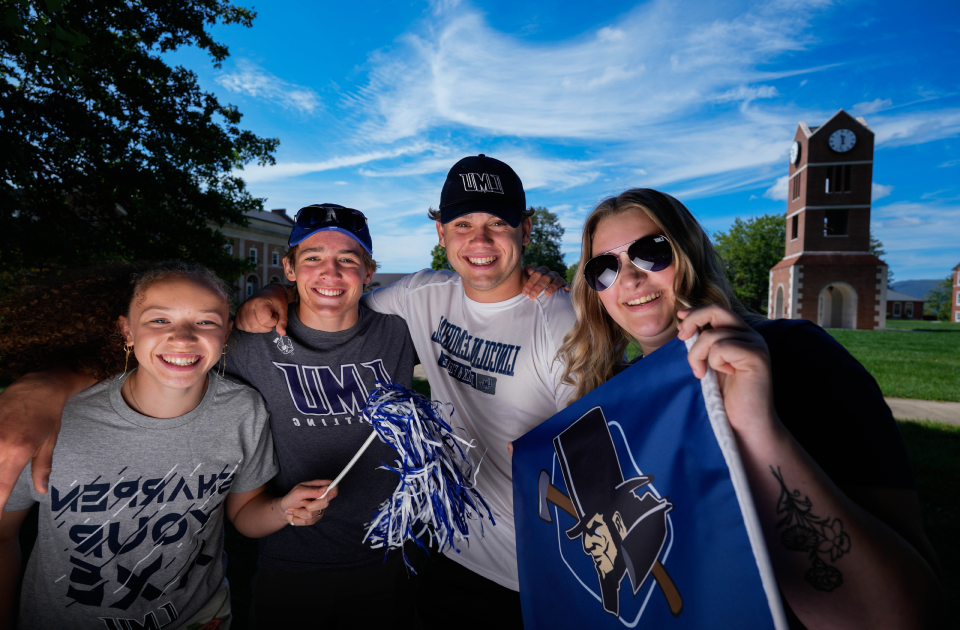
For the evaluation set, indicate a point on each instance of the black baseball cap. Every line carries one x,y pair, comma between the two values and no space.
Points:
482,184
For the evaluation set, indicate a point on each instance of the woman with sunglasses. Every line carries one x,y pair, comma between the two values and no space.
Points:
827,466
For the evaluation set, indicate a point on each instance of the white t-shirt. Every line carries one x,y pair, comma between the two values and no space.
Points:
495,364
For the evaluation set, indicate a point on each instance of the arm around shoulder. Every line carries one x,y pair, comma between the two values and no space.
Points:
30,410
391,299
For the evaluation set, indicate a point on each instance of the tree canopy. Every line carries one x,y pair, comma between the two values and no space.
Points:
939,299
440,262
876,248
749,249
111,153
545,238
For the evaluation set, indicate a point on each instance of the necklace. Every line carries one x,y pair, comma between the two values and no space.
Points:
133,397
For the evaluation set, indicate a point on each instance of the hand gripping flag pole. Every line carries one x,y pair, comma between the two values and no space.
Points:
436,493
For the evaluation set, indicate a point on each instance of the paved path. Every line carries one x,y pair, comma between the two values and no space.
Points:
912,409
903,408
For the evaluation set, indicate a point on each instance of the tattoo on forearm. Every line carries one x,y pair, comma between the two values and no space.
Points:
811,534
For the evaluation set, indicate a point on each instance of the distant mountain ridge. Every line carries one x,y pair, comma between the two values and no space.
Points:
916,288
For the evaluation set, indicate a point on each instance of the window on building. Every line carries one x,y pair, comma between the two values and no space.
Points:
956,317
253,254
958,299
274,280
908,310
795,187
795,227
275,259
835,223
838,178
253,284
896,309
229,248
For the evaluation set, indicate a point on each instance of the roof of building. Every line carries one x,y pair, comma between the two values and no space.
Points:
896,296
271,217
809,130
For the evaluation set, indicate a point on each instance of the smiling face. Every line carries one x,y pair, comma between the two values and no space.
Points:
642,302
178,328
330,274
486,252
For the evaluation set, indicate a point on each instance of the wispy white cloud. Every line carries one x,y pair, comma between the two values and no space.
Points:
250,79
869,107
461,71
905,225
918,237
893,130
284,170
878,191
778,192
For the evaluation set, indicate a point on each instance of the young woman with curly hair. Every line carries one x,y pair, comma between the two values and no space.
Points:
148,460
809,420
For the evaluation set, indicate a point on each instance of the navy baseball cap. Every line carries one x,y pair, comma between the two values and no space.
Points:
482,184
324,217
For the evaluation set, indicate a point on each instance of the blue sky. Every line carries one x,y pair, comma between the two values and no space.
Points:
373,102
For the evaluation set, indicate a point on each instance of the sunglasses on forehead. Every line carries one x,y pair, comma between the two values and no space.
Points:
650,253
315,216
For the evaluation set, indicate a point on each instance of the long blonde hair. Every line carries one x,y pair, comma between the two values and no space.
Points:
596,344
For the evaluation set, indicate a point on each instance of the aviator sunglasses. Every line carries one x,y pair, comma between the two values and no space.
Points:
650,253
346,218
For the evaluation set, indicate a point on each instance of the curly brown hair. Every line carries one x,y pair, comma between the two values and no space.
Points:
71,319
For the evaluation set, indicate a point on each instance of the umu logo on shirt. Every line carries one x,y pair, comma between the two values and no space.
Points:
316,389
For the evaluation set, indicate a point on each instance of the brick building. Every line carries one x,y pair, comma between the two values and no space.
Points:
263,241
828,274
955,303
903,306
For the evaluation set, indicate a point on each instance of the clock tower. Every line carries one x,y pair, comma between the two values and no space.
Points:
828,274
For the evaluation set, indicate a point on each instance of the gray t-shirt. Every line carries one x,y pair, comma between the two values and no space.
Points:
315,384
131,530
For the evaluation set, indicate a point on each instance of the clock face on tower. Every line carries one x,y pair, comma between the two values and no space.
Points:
842,140
794,152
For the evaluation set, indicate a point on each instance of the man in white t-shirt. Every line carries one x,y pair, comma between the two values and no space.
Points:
490,350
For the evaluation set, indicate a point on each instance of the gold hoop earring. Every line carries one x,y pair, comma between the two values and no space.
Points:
126,362
223,362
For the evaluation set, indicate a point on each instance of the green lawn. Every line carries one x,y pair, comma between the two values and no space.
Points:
912,324
911,360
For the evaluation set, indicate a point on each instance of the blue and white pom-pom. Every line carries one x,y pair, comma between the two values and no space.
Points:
436,494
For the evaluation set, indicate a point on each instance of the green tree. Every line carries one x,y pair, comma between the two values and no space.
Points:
439,261
749,249
109,152
876,248
939,300
544,247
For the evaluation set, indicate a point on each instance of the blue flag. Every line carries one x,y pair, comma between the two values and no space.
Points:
633,510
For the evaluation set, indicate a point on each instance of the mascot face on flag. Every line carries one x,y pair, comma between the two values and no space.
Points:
621,525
